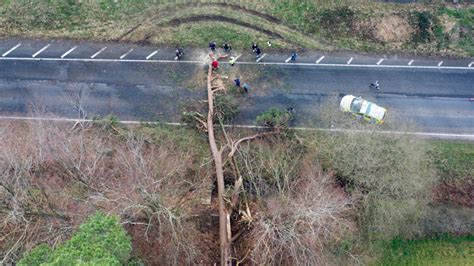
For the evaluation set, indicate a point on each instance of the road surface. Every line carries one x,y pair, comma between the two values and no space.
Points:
66,79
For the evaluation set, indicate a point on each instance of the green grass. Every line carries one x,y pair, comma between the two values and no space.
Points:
443,250
465,23
203,33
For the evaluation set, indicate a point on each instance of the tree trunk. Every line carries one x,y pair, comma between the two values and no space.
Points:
224,236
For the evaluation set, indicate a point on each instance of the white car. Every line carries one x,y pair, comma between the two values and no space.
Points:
363,108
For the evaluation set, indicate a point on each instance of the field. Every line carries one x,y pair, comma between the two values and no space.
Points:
443,250
319,25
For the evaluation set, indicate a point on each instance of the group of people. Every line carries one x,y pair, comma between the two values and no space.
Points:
255,49
225,46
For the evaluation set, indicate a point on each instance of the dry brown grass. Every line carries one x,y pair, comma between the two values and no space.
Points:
393,29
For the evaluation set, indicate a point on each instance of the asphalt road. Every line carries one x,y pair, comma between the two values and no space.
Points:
433,93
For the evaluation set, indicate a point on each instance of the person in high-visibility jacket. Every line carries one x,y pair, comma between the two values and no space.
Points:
232,61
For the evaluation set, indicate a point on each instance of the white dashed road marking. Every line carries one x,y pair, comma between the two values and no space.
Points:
103,60
470,65
68,52
425,134
350,60
125,54
11,50
411,62
151,55
237,57
380,61
100,51
288,59
320,59
261,57
440,63
40,51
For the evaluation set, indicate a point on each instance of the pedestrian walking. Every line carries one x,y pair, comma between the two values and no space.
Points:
232,61
246,87
375,85
293,57
237,82
215,65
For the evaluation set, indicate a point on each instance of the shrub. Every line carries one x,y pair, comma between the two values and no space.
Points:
294,226
388,175
226,107
300,210
274,117
40,254
425,23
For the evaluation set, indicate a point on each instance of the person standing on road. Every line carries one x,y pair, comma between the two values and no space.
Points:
226,47
237,82
246,87
258,51
215,65
254,47
232,61
293,57
212,46
179,53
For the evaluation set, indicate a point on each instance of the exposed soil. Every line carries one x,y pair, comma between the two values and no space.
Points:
226,5
176,22
242,9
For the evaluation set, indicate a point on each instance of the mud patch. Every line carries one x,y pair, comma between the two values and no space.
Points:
176,22
225,5
392,29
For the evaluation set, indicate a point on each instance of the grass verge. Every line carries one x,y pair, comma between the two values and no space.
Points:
324,25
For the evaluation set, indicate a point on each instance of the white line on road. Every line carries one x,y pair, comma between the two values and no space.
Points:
261,57
125,54
100,51
41,50
151,55
288,59
320,59
425,134
243,63
11,50
350,60
440,63
380,61
237,57
411,62
68,52
470,65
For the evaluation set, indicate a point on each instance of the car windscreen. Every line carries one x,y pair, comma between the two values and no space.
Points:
356,105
